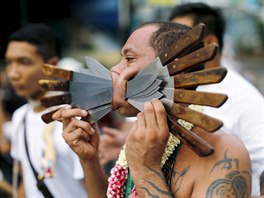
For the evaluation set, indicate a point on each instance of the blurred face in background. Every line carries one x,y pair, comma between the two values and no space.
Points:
185,20
24,69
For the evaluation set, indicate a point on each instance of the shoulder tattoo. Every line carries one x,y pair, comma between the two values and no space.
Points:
233,184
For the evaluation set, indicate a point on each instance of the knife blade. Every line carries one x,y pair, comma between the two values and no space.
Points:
140,83
97,68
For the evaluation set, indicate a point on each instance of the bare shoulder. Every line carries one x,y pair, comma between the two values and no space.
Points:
225,173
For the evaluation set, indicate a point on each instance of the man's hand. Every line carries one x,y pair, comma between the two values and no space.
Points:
148,137
112,141
81,136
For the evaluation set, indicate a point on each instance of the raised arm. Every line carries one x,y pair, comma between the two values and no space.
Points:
83,138
144,149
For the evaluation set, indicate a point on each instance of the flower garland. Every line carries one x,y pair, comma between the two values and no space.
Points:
119,173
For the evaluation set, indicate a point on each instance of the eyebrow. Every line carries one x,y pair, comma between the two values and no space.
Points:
128,50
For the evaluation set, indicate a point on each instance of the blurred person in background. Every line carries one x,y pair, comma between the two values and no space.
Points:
242,113
50,168
9,102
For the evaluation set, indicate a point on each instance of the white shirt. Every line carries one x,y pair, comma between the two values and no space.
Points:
67,180
243,116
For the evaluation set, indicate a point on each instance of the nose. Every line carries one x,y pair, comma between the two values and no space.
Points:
118,68
13,71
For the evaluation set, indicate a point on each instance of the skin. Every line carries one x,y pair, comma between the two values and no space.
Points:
112,141
193,176
24,69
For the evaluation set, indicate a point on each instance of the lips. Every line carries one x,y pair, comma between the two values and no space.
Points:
18,87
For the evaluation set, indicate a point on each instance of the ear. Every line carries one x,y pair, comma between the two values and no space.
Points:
209,39
53,61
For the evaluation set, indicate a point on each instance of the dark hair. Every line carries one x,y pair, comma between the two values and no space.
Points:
43,37
212,17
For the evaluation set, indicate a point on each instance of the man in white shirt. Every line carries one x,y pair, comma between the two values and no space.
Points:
32,140
242,113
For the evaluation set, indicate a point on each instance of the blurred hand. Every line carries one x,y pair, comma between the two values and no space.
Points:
111,142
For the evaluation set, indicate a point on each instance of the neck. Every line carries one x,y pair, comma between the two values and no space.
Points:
37,107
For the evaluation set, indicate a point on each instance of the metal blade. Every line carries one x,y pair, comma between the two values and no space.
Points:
97,68
90,100
146,93
92,88
139,84
150,90
139,102
154,67
157,95
97,113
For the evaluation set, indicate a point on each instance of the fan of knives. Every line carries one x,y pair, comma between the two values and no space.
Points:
166,78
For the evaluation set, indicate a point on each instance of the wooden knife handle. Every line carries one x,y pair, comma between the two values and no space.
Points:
199,97
54,71
204,121
192,60
47,117
56,100
190,38
54,85
190,139
208,76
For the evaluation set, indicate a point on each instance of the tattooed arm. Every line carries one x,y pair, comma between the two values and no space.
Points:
144,148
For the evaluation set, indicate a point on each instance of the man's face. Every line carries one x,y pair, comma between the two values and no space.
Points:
135,54
24,68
